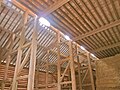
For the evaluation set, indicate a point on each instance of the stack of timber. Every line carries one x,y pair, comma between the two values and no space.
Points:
108,73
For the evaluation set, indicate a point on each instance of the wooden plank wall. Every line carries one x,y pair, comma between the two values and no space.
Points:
23,83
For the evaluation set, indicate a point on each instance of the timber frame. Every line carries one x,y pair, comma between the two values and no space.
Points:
66,62
26,44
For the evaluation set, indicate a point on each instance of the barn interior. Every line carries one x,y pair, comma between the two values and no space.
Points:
60,44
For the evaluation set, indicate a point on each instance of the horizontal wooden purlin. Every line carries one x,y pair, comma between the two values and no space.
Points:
64,60
23,7
50,9
106,47
22,77
86,85
48,85
67,82
26,45
105,27
61,61
11,9
53,7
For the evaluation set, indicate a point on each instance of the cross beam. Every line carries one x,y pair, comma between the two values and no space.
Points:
53,7
105,27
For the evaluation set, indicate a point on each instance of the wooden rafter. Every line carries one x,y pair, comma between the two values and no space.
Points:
105,27
53,7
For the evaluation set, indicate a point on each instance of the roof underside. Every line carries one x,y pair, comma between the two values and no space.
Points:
98,21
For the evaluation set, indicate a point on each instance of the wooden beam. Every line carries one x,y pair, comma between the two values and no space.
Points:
79,77
67,82
85,75
24,61
58,63
72,67
65,71
8,62
15,2
106,47
47,70
31,75
90,71
19,55
44,13
22,77
105,27
53,7
37,75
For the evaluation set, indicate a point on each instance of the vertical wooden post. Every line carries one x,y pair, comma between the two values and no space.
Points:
90,70
58,62
19,55
79,74
33,57
47,69
8,61
72,67
37,75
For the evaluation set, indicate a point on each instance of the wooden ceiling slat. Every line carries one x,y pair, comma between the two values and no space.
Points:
106,41
61,28
81,19
5,12
8,19
95,41
6,41
98,39
12,21
84,16
108,10
101,9
72,19
107,37
97,14
112,35
90,40
53,7
115,30
87,9
33,5
107,47
69,22
99,43
105,27
81,25
86,44
16,25
61,24
115,11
